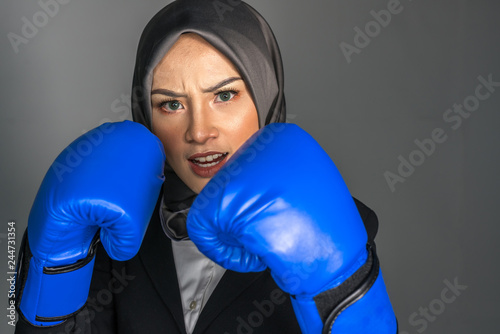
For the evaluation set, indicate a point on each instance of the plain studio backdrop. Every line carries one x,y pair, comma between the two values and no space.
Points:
403,95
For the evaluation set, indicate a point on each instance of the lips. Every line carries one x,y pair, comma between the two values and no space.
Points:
206,164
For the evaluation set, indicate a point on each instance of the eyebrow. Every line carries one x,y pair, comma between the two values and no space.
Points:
210,89
221,84
167,92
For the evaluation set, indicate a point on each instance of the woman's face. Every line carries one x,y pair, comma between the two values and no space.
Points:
202,109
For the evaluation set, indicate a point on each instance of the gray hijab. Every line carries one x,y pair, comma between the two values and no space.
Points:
240,33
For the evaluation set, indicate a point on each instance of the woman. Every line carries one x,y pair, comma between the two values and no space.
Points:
208,75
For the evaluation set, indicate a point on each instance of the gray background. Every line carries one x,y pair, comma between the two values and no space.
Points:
440,224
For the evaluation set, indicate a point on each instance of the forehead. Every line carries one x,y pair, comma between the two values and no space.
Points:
192,53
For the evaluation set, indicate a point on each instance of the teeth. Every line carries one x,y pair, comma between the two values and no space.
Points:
207,161
207,165
208,158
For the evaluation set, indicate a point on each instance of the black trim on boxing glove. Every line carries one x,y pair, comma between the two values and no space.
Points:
77,265
332,302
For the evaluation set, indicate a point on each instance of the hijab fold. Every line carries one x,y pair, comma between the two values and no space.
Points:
240,33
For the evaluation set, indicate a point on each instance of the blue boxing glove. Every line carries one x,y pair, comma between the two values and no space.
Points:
104,185
281,203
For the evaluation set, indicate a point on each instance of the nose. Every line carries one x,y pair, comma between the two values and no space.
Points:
201,127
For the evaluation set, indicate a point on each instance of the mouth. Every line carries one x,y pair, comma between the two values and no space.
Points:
208,163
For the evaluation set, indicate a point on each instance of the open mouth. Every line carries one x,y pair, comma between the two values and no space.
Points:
209,160
208,163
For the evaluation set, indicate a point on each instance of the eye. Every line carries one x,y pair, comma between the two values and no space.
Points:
170,106
225,96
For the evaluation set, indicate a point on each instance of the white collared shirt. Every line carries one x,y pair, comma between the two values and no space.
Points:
197,276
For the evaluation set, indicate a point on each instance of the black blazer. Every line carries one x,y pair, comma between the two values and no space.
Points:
142,296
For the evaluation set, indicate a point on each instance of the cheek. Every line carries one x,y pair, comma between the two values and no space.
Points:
170,138
246,126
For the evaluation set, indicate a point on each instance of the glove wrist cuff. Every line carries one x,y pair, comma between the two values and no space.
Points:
332,302
50,295
339,309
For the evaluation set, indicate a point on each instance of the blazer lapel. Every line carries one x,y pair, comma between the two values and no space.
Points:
231,285
156,255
